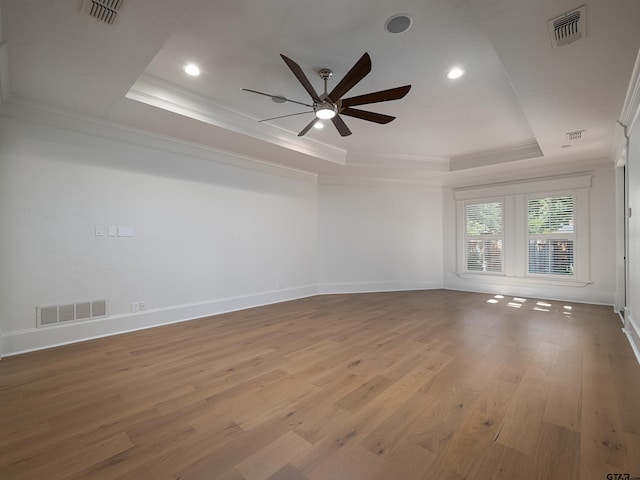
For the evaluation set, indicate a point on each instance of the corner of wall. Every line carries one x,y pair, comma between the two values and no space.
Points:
632,331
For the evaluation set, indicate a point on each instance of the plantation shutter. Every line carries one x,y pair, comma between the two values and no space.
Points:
551,235
484,237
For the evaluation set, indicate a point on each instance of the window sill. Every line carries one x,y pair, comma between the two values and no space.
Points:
527,281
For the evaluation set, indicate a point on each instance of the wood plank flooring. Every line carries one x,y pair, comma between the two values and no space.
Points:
384,386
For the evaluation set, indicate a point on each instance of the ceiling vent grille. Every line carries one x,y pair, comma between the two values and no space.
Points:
568,27
576,135
102,10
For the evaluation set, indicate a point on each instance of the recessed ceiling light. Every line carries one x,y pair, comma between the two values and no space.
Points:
192,69
318,125
455,72
398,23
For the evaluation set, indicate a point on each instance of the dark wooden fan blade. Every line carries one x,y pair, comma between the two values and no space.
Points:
279,97
308,127
353,76
302,78
375,97
341,126
364,115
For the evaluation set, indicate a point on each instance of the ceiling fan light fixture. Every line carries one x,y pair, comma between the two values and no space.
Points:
325,112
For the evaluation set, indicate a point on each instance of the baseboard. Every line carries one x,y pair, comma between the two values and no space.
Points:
371,287
632,331
14,343
586,294
23,341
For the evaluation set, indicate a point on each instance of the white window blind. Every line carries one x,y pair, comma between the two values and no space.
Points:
484,237
551,235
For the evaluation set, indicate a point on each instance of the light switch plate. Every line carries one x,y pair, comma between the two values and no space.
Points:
112,231
99,231
125,231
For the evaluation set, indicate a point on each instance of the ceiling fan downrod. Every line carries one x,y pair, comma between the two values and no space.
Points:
326,109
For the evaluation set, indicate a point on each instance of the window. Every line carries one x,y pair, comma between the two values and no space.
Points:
526,233
483,237
550,235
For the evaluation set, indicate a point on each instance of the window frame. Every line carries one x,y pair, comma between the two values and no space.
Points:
515,229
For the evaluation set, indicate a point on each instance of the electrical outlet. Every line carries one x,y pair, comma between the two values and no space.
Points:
143,305
135,307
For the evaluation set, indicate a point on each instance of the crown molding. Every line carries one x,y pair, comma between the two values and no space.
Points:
521,151
98,128
370,181
628,116
522,172
631,107
4,71
524,186
156,92
431,163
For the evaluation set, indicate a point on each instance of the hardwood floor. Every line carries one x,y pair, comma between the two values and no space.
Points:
384,386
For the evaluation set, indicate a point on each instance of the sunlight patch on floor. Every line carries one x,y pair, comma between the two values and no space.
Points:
518,302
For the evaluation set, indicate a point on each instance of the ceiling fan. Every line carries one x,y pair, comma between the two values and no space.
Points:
329,106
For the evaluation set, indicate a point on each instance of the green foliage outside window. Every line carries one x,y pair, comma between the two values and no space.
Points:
550,215
484,219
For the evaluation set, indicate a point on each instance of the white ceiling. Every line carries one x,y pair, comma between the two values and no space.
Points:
517,100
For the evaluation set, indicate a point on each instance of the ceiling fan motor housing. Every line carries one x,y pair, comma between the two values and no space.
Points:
325,110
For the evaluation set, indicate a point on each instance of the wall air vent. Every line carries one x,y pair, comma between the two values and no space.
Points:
102,10
576,135
568,27
56,314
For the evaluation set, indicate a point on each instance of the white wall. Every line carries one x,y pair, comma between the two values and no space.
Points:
602,286
214,232
209,236
383,236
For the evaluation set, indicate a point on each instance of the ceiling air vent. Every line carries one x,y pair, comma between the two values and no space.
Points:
576,135
102,10
568,27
